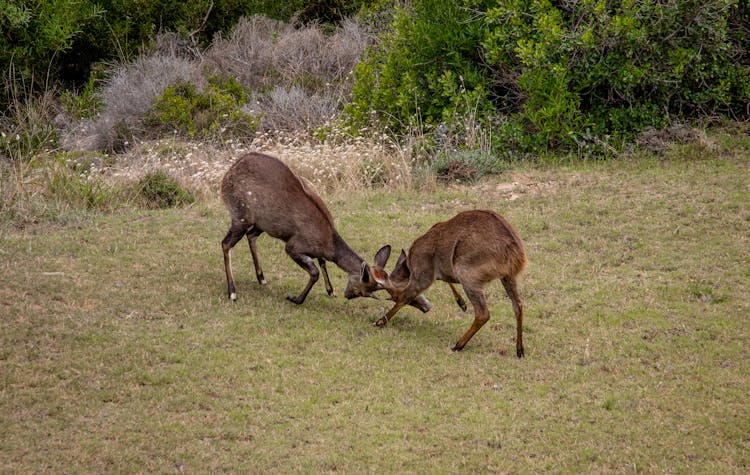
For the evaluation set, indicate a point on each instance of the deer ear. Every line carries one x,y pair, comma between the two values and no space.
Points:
382,255
380,277
401,271
401,258
365,274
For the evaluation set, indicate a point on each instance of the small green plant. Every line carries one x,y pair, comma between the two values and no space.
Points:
85,103
373,172
159,190
71,185
212,113
466,166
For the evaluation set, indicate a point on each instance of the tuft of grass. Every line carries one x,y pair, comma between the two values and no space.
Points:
26,127
121,353
53,189
157,190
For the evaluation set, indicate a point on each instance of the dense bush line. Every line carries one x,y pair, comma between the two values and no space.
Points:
506,78
561,75
48,42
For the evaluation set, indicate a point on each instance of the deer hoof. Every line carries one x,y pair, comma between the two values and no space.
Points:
462,305
233,297
294,299
381,322
457,347
519,352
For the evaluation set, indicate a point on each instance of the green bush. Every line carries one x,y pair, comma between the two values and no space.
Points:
614,68
466,166
560,75
424,70
159,190
213,113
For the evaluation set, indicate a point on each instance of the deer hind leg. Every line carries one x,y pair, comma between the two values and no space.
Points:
481,314
233,236
326,280
252,236
459,300
511,288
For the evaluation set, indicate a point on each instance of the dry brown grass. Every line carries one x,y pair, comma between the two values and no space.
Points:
331,167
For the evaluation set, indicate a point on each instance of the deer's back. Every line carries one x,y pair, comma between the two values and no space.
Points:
478,244
264,192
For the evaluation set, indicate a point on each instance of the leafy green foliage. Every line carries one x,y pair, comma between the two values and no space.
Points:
426,69
159,190
84,104
617,68
561,75
36,35
212,113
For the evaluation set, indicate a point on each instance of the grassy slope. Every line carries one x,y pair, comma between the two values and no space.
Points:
120,353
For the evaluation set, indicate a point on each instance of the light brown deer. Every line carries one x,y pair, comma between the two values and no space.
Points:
263,195
472,249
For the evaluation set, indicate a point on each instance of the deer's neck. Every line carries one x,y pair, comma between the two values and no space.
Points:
344,256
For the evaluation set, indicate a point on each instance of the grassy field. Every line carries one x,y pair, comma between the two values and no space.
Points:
119,352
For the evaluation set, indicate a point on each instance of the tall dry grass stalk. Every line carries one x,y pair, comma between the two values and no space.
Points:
332,166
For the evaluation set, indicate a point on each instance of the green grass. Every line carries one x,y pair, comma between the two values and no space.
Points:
119,352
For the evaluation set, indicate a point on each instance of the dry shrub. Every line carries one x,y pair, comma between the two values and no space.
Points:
335,166
300,77
659,141
261,52
331,167
128,92
294,109
247,54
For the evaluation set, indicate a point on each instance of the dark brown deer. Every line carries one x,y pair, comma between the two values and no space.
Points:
263,195
472,249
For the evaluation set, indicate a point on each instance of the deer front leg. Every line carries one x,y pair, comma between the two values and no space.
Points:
404,298
306,263
326,280
384,320
457,295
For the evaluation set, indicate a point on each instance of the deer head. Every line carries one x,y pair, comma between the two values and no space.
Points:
395,282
